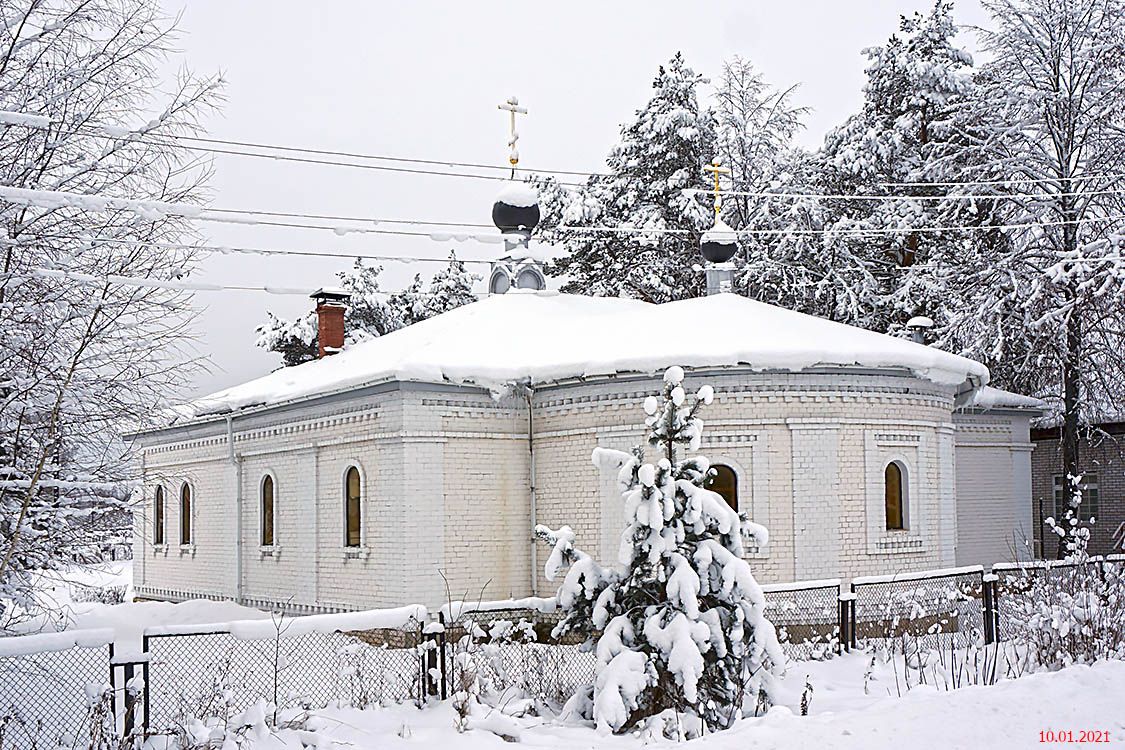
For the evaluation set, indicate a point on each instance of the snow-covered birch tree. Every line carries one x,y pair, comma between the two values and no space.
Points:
82,358
681,634
1042,304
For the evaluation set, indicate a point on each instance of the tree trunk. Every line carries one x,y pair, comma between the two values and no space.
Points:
1070,374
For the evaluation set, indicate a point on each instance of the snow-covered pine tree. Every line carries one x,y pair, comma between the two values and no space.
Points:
450,288
294,340
368,315
371,311
915,83
681,623
660,153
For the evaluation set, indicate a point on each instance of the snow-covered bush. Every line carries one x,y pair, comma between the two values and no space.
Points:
680,626
100,594
1071,612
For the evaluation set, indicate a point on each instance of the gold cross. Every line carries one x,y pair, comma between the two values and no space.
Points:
716,168
513,107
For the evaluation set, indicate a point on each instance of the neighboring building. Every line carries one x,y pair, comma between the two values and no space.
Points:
360,479
1101,459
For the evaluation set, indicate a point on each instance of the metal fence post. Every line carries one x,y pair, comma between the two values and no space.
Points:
842,623
990,614
147,685
853,638
130,699
430,661
442,644
112,687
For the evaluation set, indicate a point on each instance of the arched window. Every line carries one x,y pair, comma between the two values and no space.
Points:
893,496
158,517
267,511
185,514
352,521
724,481
530,279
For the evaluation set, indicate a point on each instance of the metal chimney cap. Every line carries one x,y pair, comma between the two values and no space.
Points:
331,294
920,321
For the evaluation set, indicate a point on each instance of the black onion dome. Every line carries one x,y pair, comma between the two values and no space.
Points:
516,208
719,243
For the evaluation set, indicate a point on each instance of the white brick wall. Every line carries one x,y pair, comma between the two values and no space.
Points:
446,486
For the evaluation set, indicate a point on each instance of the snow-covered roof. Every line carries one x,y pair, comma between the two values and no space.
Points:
545,336
995,398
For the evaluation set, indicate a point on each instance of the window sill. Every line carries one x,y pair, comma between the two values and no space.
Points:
187,549
160,549
356,553
271,550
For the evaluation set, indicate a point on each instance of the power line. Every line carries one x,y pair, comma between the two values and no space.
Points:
238,149
331,217
1008,181
853,230
123,134
380,157
880,197
176,285
119,133
151,210
171,284
225,249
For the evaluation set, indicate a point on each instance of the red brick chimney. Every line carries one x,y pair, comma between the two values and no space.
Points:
331,304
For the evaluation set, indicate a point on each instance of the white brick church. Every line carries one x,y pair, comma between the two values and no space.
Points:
357,480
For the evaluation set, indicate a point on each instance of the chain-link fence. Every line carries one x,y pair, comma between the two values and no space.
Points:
806,617
942,609
219,674
1017,584
514,650
49,699
53,696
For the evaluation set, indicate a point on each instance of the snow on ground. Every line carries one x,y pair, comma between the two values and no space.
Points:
1007,715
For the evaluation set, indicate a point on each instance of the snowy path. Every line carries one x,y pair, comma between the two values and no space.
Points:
1008,715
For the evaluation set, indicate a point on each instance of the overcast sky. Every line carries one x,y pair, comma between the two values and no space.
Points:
422,80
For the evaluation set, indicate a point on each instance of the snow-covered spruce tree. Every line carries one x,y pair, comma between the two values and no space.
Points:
680,627
371,311
83,359
660,153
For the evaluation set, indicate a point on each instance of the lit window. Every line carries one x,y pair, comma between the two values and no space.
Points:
185,514
267,511
723,481
158,517
893,496
352,523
